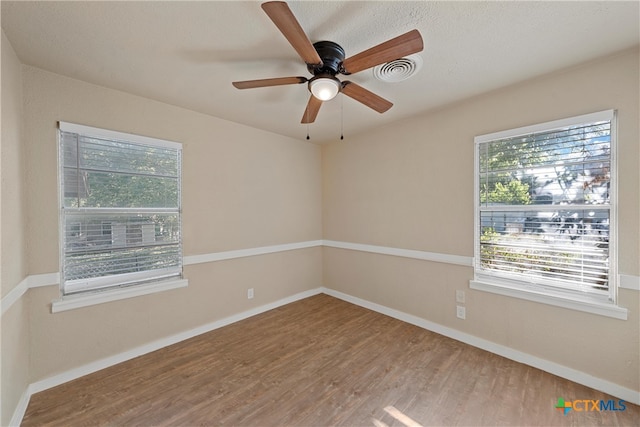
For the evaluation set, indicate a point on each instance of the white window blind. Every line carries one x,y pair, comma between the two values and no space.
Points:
544,205
120,209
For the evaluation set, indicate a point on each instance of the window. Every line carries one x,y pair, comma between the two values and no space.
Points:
545,220
119,210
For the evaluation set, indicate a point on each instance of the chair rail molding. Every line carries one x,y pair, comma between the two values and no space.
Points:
626,281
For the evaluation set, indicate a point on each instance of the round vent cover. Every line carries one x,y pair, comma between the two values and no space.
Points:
399,69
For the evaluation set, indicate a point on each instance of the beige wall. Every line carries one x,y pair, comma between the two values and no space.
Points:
13,252
242,188
14,374
410,186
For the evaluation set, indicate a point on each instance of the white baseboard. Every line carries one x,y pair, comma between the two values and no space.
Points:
21,408
518,356
571,374
89,368
48,279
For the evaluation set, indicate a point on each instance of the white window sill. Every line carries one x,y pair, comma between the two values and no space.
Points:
72,302
586,304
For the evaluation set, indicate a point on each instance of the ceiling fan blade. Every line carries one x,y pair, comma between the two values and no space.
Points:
288,25
396,48
311,112
366,97
250,84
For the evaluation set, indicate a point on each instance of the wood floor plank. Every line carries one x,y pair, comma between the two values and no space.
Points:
318,362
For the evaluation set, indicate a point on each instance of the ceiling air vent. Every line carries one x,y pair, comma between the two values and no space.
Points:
399,69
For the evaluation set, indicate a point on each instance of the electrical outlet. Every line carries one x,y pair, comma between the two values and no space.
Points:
460,296
250,293
461,312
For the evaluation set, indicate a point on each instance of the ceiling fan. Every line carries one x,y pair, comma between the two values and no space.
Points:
325,59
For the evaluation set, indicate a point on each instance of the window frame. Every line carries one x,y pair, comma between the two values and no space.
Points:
539,292
113,290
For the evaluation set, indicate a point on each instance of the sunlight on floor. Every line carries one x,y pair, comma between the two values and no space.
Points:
398,415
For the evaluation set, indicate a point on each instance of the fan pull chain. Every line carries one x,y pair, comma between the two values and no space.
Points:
341,117
306,115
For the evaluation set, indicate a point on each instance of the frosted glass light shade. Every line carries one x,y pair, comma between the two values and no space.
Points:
324,88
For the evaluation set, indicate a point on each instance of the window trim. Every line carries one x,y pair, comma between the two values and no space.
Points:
537,292
119,291
89,298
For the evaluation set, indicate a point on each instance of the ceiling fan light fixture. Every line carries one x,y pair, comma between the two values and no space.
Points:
324,88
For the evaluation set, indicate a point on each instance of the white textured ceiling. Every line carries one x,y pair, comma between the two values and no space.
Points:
188,53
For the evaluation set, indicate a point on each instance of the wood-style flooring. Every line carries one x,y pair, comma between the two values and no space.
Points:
319,362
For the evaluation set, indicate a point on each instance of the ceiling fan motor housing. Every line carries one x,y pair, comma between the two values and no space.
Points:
332,55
